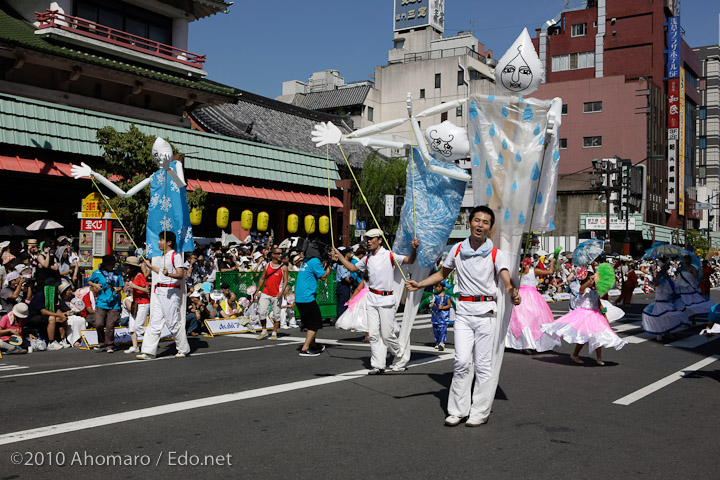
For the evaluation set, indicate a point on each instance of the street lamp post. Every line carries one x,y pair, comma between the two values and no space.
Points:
606,168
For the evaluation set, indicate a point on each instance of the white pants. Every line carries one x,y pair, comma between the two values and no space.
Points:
165,308
474,344
137,323
381,327
287,316
264,303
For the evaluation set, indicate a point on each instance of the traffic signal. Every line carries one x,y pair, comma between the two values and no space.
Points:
399,201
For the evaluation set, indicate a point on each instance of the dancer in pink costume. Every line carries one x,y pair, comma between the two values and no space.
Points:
586,324
524,331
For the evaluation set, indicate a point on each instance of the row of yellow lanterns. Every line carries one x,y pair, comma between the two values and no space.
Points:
222,219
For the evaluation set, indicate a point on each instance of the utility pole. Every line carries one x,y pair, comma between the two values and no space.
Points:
606,169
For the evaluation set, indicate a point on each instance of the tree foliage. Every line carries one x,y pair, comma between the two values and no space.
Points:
698,243
380,177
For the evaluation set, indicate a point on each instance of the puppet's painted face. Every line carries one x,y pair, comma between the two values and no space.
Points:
520,71
516,76
162,153
447,141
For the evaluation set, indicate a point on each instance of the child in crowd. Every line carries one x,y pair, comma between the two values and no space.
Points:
287,314
440,318
139,302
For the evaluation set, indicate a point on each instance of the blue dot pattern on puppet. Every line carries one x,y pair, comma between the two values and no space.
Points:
535,172
518,157
551,226
477,138
492,130
476,161
489,190
504,144
514,186
488,173
521,218
491,98
527,113
541,140
507,214
504,111
556,155
473,110
537,130
539,198
521,99
501,159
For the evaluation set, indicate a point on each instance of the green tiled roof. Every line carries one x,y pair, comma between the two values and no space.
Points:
33,123
16,31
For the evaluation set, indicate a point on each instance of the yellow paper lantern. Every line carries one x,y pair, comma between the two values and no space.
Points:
223,217
263,220
292,223
246,219
309,224
324,224
195,216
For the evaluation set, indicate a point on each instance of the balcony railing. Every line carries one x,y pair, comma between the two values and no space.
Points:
436,54
86,28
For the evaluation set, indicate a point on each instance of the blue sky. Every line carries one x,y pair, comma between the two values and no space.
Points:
260,44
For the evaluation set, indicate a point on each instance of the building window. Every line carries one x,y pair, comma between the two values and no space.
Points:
578,30
702,143
590,142
458,111
461,77
422,93
573,61
564,108
371,114
702,113
443,116
592,107
437,80
563,143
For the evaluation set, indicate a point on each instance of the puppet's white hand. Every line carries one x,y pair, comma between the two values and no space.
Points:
80,171
326,134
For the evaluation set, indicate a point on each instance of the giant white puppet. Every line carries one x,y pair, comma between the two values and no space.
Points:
513,146
168,209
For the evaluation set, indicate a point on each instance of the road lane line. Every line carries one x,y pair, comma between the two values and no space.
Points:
664,382
124,417
135,361
693,341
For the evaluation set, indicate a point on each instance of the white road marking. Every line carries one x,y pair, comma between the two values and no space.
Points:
11,367
123,417
664,382
693,341
135,361
623,327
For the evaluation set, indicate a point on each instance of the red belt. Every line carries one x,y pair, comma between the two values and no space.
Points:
380,292
477,298
168,285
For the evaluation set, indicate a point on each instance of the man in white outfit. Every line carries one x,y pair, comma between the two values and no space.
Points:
380,263
480,270
167,271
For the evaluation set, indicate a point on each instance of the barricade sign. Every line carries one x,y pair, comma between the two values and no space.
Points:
563,296
224,326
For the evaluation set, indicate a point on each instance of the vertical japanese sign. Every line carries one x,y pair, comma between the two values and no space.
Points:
673,136
673,53
681,147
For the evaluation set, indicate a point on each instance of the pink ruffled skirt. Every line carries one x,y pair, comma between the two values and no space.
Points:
584,325
526,320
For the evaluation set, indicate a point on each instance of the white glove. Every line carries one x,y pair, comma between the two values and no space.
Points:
326,134
80,172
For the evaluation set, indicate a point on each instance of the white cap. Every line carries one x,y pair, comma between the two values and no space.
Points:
375,232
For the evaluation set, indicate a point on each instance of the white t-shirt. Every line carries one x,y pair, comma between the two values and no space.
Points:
476,276
380,268
172,267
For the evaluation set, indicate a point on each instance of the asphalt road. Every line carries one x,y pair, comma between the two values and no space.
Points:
239,408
